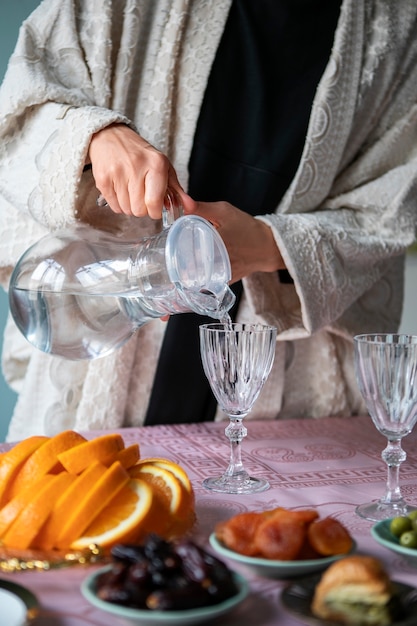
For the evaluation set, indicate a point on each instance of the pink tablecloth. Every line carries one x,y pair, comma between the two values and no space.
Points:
332,464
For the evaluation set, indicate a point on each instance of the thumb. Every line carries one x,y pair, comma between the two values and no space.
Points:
189,205
209,210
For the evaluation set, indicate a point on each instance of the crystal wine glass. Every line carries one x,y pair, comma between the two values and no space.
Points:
386,370
237,359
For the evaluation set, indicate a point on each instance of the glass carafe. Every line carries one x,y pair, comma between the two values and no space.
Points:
81,292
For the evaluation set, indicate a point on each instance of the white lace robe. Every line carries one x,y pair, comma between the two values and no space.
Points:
342,227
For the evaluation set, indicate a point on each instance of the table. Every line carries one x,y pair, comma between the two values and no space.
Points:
332,464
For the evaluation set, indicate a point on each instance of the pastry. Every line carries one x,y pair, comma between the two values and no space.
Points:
355,590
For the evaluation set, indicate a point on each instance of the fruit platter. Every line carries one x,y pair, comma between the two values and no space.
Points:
67,500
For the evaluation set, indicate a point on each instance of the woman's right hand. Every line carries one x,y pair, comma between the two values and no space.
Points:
130,173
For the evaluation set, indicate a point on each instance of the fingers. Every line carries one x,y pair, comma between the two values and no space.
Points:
131,175
154,191
135,190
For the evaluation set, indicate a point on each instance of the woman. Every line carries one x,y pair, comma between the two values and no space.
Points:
127,100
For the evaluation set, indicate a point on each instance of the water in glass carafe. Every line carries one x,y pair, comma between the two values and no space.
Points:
81,293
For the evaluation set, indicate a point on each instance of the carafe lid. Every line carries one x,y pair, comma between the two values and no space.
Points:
198,264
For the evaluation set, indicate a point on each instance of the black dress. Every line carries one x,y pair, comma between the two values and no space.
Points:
247,146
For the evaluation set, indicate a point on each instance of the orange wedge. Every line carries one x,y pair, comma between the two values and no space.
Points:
128,456
90,504
44,460
30,520
13,508
12,460
124,520
103,449
83,483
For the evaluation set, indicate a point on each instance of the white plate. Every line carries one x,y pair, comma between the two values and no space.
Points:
15,604
13,609
163,618
272,568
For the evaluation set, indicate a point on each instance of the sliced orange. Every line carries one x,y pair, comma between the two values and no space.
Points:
163,481
44,460
186,515
124,520
13,508
104,449
128,456
88,505
27,524
12,460
172,496
83,483
173,467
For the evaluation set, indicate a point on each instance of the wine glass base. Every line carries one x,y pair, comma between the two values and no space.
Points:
376,511
226,484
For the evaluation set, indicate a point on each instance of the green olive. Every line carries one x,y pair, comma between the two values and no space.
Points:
412,515
400,525
409,539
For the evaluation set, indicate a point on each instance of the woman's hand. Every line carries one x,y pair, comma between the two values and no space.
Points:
249,241
131,175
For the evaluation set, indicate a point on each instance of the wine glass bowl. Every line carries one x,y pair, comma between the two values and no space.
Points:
386,371
237,359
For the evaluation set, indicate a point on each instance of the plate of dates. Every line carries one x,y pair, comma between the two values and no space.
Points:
162,583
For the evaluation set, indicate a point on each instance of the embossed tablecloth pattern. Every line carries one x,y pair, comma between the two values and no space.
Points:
332,464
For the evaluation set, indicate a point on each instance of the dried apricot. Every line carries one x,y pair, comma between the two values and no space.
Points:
280,536
305,516
238,533
328,536
307,551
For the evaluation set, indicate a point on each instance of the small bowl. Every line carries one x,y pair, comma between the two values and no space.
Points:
163,618
382,534
272,568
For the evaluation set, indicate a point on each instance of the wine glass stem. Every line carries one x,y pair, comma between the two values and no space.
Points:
393,455
235,432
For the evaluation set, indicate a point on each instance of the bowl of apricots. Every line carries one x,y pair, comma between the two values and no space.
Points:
282,543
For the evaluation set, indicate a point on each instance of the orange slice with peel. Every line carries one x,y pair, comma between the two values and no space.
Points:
173,467
90,504
104,449
44,460
128,456
27,524
184,518
171,495
10,511
12,460
83,483
163,481
126,519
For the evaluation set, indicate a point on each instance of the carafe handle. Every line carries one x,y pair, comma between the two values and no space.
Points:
171,210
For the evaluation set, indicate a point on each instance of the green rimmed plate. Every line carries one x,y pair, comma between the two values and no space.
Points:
272,568
140,617
382,534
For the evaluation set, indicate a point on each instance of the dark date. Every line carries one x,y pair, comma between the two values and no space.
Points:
165,576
